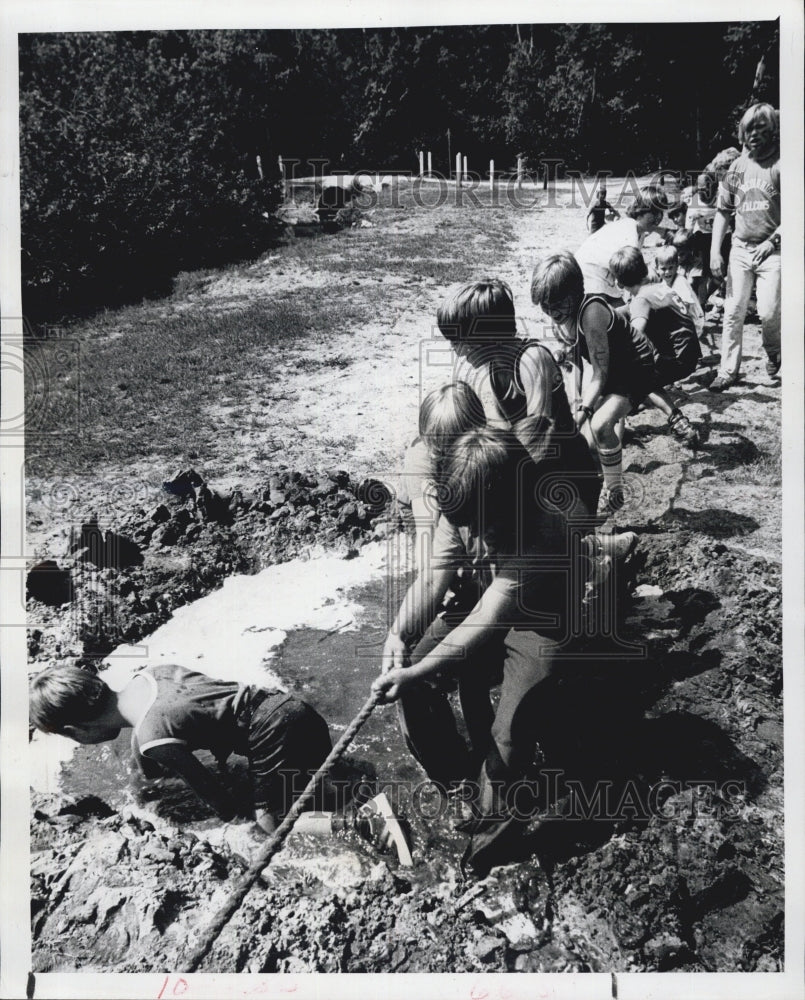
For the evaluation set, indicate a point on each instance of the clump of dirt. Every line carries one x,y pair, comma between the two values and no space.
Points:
117,584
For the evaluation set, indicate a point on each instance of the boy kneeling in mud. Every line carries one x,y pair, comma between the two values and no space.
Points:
173,711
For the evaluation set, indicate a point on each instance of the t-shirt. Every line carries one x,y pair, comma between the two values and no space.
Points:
751,189
193,710
700,218
539,573
418,473
654,296
596,251
681,287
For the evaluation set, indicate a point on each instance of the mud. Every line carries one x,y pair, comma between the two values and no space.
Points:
659,845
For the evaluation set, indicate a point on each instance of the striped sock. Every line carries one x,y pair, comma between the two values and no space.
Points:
612,466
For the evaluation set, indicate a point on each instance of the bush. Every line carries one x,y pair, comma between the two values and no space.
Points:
138,159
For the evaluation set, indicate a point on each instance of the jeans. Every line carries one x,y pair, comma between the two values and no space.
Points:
742,277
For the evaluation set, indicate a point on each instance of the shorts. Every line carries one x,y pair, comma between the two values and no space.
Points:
288,741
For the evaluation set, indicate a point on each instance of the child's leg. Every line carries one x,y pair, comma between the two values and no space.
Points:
603,424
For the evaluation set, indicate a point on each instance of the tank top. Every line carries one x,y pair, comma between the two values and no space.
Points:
627,347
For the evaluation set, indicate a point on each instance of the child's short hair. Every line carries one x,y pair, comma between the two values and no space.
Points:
649,199
480,483
628,266
480,310
445,414
667,255
759,112
683,244
64,696
557,277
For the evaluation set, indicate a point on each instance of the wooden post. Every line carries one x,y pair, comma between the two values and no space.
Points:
491,173
458,168
421,163
430,164
465,168
519,171
259,167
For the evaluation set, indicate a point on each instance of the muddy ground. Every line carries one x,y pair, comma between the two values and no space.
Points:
678,865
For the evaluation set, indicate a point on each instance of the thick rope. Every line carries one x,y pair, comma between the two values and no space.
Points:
275,842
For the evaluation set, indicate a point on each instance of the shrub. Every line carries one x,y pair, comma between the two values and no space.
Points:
138,159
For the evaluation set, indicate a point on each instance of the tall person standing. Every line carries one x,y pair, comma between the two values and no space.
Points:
750,191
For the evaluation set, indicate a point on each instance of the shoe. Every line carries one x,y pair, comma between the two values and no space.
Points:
682,429
612,500
722,382
615,546
773,365
376,822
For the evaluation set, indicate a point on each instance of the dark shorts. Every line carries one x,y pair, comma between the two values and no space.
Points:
288,741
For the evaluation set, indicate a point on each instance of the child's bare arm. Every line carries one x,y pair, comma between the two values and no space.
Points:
596,321
177,758
499,607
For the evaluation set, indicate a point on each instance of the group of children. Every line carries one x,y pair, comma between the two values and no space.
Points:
510,482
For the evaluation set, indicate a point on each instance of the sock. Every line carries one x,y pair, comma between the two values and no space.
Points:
612,467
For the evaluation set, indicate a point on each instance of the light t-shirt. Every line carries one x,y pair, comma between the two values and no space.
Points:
596,251
751,189
681,287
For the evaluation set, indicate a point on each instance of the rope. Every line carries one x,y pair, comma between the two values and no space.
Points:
275,842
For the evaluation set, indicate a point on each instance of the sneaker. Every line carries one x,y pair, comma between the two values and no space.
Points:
773,365
615,546
612,500
722,382
376,822
682,429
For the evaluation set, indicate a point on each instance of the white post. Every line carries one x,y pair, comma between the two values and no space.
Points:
519,172
421,163
430,164
377,182
465,167
259,167
458,168
491,174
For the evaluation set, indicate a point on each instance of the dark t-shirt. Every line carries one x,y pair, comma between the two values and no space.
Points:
193,710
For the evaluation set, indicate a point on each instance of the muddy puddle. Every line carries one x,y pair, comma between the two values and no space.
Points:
331,666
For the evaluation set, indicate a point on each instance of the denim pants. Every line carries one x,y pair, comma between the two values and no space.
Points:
742,277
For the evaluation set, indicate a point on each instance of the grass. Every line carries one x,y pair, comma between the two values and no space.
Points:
174,377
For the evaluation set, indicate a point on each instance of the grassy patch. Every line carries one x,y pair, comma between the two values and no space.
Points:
190,373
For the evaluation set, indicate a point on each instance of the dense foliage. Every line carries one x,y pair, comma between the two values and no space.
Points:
139,150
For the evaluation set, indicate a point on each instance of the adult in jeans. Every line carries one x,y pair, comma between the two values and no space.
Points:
750,191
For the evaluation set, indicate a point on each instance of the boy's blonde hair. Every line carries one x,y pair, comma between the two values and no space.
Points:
763,112
66,696
445,414
481,310
557,277
667,255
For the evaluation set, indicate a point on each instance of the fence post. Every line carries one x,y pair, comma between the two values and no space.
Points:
458,168
519,172
430,164
466,172
421,163
491,174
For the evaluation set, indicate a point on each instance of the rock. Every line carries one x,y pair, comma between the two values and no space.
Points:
120,552
183,484
159,514
49,583
374,494
276,496
487,947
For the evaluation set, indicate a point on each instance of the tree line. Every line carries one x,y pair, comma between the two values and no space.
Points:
139,150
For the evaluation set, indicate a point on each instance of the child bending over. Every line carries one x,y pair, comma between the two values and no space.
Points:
173,711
